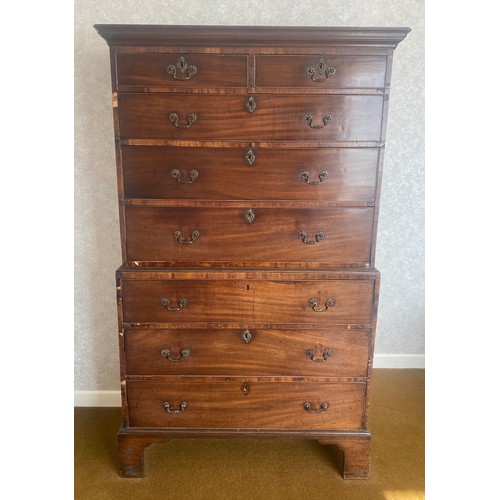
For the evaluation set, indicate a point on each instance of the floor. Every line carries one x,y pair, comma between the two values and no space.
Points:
248,469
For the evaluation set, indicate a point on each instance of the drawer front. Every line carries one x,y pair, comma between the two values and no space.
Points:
339,236
212,117
207,301
186,70
320,71
326,353
232,404
344,175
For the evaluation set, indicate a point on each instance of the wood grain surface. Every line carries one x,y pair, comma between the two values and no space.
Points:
248,352
225,235
263,301
274,174
224,404
276,117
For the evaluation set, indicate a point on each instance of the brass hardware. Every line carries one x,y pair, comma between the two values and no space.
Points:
182,70
182,407
320,73
322,176
317,238
177,176
326,354
250,157
245,388
246,336
166,303
193,237
174,118
166,353
314,304
309,407
326,120
249,216
251,105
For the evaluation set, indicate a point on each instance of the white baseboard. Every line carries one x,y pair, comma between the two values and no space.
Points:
113,398
399,361
98,398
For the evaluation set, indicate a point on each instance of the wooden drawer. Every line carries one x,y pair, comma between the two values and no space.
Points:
337,237
320,353
232,404
270,302
186,70
150,116
343,175
317,71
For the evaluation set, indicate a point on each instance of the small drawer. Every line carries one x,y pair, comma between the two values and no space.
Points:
183,70
259,117
336,237
273,352
342,175
249,405
271,302
320,71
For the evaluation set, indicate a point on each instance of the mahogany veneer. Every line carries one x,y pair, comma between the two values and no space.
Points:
154,173
249,163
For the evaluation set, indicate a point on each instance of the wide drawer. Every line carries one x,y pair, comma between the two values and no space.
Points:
271,302
336,237
342,175
212,117
317,71
272,352
186,70
237,404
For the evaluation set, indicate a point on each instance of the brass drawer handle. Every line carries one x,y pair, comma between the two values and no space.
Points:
326,120
182,407
322,176
251,104
326,354
320,73
166,353
174,118
181,70
314,304
166,304
193,237
177,176
309,407
317,238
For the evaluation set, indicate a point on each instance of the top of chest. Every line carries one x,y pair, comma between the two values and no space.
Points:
318,59
256,37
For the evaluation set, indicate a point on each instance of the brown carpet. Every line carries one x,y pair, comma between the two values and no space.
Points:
254,469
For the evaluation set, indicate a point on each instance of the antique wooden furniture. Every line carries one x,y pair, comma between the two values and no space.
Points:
249,167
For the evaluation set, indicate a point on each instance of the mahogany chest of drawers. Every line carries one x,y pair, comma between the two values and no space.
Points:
249,165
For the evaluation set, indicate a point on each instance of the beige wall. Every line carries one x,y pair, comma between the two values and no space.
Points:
400,253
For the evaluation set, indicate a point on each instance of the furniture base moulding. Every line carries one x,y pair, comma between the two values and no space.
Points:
355,445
